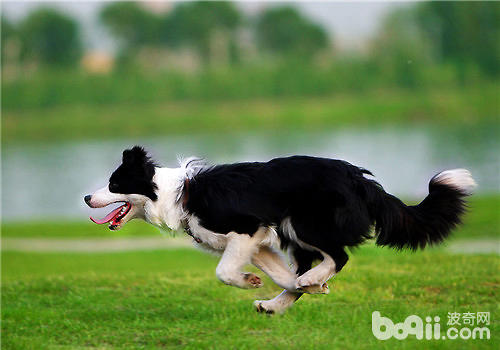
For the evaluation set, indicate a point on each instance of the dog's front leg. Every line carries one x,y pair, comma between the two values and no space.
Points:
279,303
272,264
238,252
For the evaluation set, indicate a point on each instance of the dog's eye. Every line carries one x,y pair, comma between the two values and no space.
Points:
113,187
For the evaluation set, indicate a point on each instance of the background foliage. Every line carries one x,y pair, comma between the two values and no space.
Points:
426,45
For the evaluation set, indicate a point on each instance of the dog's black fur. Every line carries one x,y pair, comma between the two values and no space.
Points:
135,174
331,204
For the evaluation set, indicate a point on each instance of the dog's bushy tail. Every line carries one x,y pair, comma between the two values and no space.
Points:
430,222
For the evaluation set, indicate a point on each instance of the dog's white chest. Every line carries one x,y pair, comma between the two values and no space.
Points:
206,238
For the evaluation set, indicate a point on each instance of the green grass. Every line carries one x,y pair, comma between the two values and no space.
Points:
442,107
171,299
75,229
482,221
56,87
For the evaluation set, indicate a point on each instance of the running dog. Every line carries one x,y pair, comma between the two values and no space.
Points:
312,208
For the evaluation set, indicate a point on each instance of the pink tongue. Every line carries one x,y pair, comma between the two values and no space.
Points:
108,217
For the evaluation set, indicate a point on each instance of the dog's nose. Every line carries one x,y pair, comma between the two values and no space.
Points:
87,199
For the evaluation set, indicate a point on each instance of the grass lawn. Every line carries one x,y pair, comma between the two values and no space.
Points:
171,299
458,107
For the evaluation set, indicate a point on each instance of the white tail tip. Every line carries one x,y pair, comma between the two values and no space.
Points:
460,179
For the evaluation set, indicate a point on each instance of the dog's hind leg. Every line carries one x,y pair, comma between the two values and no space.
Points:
314,280
238,252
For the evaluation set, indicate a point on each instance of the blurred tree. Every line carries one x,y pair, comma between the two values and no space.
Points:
7,32
7,29
196,24
285,32
399,49
50,37
131,24
464,33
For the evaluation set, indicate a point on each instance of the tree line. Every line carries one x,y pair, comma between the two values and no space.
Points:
54,38
464,35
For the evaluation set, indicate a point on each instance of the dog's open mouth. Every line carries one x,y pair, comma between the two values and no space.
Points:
115,216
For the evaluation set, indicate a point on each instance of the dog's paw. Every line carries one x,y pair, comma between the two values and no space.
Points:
306,285
315,289
252,280
263,306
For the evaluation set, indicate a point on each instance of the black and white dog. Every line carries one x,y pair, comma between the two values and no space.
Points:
311,207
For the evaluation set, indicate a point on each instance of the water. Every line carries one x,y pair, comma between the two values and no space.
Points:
48,181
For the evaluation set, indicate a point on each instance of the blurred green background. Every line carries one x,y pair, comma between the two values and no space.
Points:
405,89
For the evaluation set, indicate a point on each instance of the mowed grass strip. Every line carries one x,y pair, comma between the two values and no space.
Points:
481,221
171,299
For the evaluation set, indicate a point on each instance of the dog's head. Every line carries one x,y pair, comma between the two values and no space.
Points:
131,184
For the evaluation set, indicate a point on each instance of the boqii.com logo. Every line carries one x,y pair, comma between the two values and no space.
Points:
469,325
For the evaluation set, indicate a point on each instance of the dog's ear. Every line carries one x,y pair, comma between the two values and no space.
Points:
134,156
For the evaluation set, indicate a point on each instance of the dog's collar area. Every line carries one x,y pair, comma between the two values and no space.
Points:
187,229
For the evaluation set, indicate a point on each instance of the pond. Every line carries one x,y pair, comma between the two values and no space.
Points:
48,181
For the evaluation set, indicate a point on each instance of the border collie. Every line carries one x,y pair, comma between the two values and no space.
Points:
313,208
